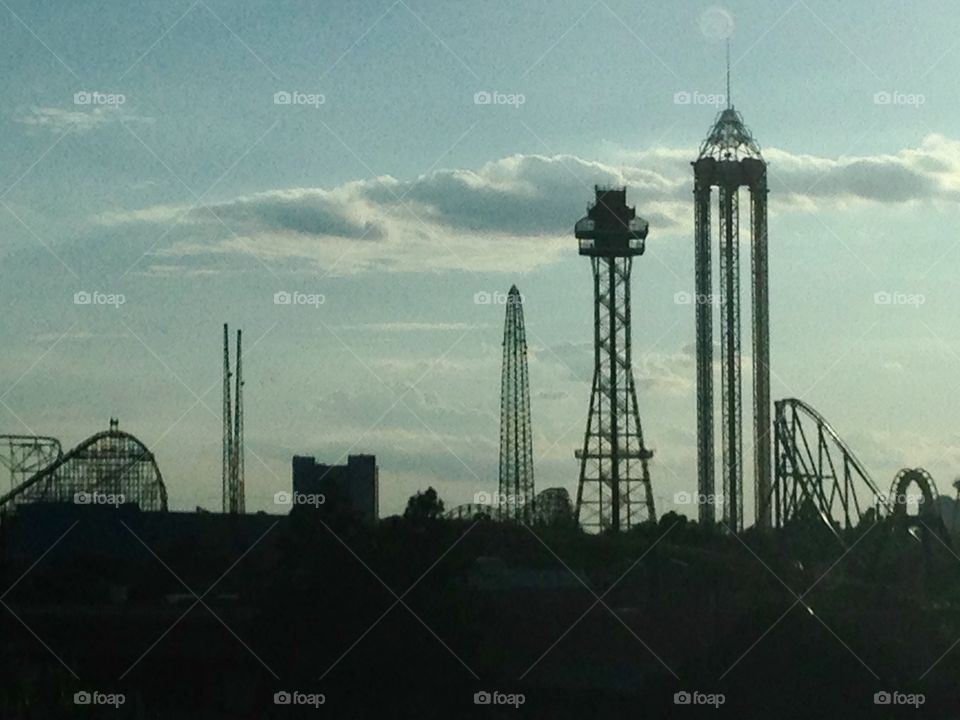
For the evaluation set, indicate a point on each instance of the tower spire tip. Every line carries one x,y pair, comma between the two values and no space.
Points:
729,99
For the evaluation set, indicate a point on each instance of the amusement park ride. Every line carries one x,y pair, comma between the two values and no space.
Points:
802,468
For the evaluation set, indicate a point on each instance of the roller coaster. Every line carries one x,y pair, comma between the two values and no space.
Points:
549,506
818,477
112,465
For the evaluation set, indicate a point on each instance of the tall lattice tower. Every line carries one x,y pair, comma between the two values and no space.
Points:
516,438
614,492
227,417
233,462
730,159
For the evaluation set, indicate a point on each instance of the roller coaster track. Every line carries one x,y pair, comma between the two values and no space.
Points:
815,471
900,498
111,461
26,455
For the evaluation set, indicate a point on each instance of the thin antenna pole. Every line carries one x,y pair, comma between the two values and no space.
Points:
227,424
237,491
729,99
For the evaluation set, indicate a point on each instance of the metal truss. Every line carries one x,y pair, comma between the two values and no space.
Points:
113,465
816,472
614,492
729,160
516,498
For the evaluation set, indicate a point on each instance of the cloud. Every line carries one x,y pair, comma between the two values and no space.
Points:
527,194
298,211
671,373
515,213
78,335
59,120
409,327
929,172
303,212
551,395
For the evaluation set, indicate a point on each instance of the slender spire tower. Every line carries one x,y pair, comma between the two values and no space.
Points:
516,438
237,489
233,460
227,416
730,159
614,492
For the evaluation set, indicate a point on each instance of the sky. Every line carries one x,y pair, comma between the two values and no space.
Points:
184,162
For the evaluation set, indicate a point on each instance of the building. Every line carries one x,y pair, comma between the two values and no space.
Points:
355,486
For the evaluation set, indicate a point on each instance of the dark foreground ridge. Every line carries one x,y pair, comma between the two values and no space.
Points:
196,615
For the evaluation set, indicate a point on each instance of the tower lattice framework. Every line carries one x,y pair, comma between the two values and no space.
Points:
516,498
730,159
614,491
234,491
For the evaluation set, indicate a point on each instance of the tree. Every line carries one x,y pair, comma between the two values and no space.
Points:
424,506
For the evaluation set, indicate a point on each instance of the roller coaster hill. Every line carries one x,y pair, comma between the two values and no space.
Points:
108,493
819,482
110,467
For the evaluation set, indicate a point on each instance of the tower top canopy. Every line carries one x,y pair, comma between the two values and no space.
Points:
730,138
611,227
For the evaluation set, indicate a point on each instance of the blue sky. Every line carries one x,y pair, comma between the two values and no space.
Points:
398,198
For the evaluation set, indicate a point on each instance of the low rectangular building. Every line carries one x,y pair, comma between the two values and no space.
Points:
354,487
